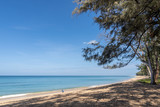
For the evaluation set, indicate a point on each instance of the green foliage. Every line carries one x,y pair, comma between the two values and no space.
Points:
143,70
128,23
148,81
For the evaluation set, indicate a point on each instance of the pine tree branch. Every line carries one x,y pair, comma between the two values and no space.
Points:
137,1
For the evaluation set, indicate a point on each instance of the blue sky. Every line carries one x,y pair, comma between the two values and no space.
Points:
41,37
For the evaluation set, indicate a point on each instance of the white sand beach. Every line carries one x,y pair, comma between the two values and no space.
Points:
44,97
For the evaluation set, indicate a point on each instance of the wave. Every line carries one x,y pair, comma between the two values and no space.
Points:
14,95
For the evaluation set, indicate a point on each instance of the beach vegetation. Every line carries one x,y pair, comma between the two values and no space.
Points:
132,30
148,81
142,70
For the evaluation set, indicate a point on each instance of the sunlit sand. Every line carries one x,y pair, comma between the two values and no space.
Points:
126,93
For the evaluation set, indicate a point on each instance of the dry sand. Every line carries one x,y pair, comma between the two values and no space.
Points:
125,94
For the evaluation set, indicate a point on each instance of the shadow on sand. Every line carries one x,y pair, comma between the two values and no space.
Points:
131,94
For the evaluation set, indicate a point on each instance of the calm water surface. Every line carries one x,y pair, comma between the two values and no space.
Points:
28,84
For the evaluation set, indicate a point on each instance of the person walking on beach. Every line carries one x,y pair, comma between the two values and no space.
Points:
62,91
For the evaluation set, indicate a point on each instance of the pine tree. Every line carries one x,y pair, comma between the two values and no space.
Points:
129,25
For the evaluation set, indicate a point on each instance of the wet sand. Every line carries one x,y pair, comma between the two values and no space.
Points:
124,94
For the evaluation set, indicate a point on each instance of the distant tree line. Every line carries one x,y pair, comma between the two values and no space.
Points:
143,70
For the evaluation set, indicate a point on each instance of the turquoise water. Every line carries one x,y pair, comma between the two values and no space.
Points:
27,84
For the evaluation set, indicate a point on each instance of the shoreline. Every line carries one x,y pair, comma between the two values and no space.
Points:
59,90
28,91
9,99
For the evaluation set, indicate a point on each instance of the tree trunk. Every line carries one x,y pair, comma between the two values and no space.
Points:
157,74
152,72
149,71
152,75
153,81
157,67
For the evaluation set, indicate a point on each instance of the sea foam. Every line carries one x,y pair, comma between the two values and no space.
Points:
15,95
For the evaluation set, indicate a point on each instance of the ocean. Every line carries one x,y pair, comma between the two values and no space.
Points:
10,85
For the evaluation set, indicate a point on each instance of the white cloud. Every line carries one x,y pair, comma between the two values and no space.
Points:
92,42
